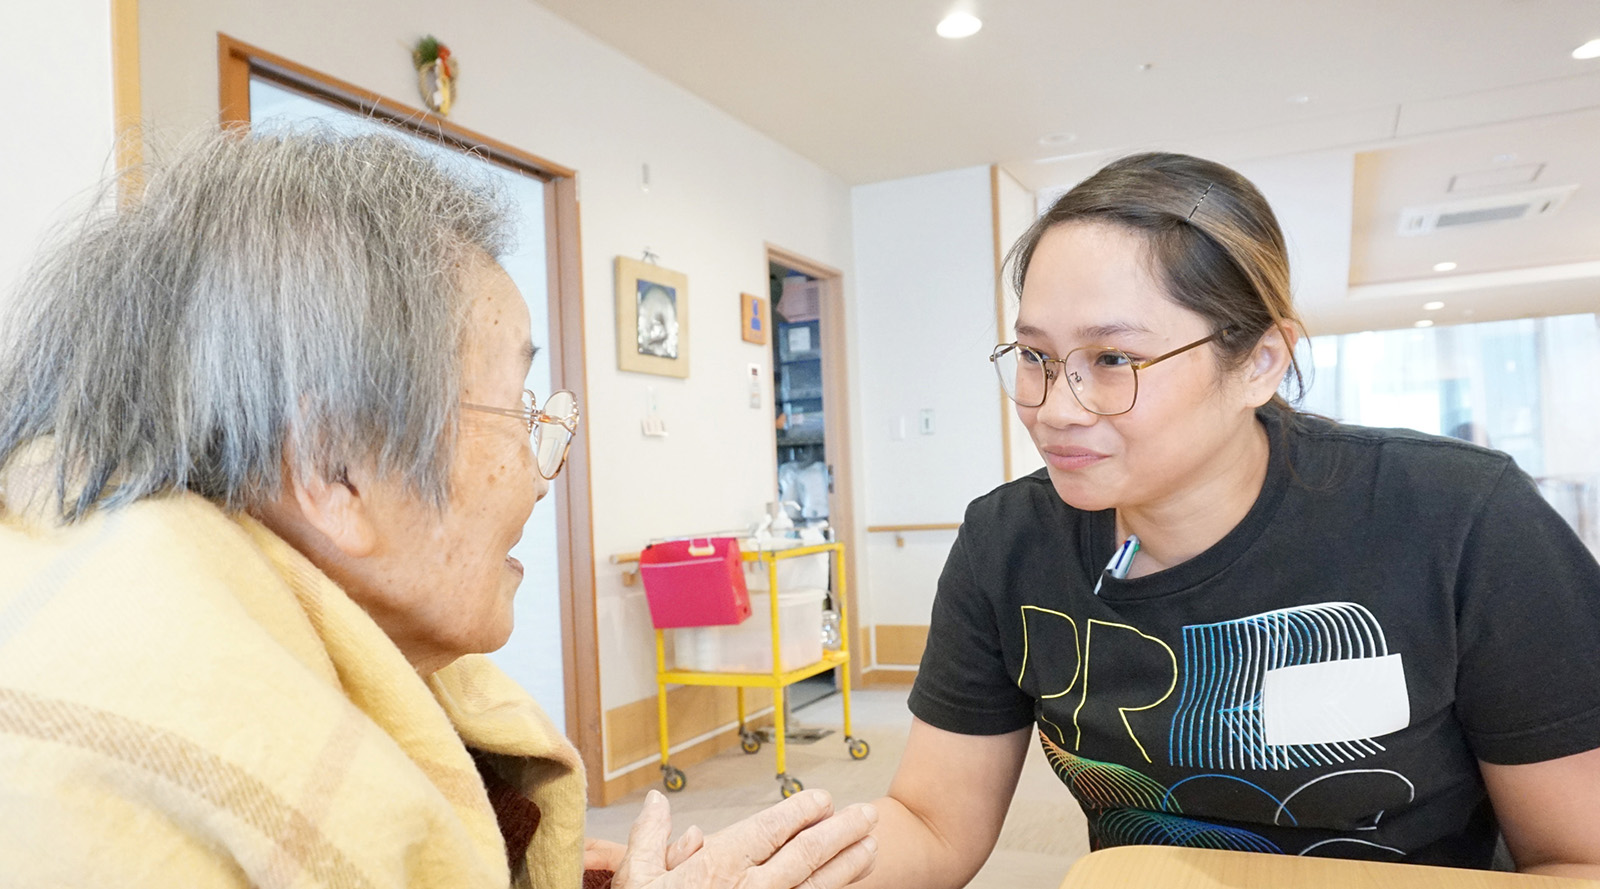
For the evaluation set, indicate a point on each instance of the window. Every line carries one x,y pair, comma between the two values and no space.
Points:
1526,387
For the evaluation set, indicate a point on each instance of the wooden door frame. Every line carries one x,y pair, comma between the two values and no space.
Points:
836,431
237,63
1000,313
126,101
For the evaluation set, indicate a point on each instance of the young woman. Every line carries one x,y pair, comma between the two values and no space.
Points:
1228,624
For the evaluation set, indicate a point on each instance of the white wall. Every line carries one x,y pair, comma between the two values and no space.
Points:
719,192
1312,195
925,324
57,144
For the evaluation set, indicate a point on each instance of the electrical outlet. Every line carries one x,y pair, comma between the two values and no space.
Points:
652,425
925,421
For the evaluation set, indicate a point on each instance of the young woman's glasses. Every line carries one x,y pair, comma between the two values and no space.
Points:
1104,380
551,428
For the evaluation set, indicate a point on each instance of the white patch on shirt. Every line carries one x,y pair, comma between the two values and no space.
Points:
1345,700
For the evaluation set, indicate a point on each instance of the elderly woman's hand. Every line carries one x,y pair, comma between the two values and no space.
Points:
608,856
797,843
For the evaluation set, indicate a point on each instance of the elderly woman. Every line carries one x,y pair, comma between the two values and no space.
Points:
265,446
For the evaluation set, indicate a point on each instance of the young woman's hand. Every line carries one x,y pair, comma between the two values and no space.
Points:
800,842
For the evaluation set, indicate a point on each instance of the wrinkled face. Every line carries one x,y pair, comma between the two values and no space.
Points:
447,580
1089,284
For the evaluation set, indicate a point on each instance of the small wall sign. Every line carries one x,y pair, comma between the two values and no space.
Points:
755,320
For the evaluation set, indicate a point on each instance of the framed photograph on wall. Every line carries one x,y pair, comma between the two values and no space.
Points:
753,318
652,319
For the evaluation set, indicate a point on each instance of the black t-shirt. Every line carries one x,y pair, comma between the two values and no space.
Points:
1322,681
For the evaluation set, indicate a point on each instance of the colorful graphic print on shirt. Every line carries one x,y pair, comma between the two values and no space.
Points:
1266,718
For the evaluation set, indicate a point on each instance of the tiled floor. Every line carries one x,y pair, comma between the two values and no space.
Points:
1044,832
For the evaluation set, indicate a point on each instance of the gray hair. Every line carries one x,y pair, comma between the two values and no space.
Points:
299,290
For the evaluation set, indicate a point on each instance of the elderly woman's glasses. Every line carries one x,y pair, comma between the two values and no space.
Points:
1104,380
551,428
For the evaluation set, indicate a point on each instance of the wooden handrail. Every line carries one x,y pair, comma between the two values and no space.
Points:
631,575
899,531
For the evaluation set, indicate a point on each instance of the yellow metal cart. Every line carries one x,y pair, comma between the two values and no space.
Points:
777,680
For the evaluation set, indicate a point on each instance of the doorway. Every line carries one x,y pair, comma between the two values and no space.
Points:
811,418
552,653
798,400
533,655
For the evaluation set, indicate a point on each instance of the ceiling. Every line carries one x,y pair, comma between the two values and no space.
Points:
1345,111
1528,156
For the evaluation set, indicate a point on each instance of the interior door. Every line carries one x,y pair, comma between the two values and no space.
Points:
533,656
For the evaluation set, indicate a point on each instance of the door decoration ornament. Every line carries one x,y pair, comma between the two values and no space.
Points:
436,74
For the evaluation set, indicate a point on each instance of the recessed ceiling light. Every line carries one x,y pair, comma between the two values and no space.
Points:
1426,322
957,25
1146,66
1433,306
1504,157
1590,50
1058,139
1444,266
1299,100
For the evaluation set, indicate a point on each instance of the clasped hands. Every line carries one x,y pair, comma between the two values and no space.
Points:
801,843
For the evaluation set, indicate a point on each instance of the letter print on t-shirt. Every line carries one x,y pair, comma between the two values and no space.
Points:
1259,722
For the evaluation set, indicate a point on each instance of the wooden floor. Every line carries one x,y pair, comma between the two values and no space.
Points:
1043,836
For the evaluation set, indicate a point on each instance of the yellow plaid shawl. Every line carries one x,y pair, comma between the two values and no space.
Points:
186,701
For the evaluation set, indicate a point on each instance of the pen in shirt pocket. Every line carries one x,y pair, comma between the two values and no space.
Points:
1121,562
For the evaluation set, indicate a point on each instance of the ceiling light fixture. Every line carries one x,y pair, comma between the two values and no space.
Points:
1590,50
1426,322
957,25
1301,99
1433,306
1058,139
1444,266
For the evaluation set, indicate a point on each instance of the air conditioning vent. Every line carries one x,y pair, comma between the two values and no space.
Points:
1487,214
1498,208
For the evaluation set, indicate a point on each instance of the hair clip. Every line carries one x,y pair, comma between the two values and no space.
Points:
1199,202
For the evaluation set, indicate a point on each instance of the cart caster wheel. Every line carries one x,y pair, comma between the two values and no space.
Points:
673,778
790,786
750,742
857,747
